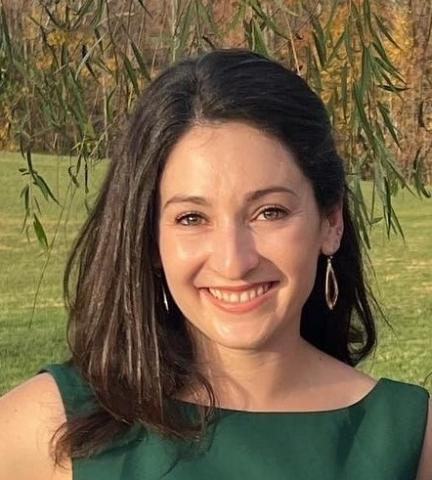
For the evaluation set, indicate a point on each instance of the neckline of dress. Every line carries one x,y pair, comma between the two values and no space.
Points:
369,395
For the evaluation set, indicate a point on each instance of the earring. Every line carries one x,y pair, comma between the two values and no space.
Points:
334,289
159,274
165,299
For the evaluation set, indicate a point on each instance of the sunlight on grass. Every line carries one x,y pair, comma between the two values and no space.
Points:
404,279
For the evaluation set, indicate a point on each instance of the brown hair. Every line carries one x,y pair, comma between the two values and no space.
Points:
133,353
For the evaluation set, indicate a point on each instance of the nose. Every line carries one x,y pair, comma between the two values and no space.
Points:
233,252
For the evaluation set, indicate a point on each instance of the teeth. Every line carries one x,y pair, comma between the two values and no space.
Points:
242,297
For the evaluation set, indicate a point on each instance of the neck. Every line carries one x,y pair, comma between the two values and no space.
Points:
255,379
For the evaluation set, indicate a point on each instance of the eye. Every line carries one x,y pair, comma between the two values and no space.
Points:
191,215
193,218
274,213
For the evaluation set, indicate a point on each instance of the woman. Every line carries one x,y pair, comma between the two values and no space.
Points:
219,307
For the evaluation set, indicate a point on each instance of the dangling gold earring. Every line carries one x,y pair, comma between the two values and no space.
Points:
333,289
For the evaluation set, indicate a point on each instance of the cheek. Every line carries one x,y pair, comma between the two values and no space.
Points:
294,251
298,244
178,253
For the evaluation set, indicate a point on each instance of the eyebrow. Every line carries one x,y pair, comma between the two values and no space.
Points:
250,197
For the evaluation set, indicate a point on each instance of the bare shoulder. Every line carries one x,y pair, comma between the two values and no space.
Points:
425,465
347,383
29,415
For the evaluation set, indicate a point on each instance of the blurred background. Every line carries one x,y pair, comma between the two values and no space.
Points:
71,70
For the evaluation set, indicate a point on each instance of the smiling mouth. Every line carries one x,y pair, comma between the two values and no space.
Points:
244,296
240,301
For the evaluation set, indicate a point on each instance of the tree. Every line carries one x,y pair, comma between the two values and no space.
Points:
70,71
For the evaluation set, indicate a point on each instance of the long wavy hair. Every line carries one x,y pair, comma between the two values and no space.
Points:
131,351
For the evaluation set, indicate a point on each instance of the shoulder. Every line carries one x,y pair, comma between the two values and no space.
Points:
425,465
342,382
29,416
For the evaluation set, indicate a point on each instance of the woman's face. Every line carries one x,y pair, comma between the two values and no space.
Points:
237,213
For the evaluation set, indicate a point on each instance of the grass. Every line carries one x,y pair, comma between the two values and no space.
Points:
404,288
28,343
403,284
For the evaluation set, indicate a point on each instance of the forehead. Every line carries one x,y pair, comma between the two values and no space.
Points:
227,159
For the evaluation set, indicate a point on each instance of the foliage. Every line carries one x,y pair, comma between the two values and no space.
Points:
70,71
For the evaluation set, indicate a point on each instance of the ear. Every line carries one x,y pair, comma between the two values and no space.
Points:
332,227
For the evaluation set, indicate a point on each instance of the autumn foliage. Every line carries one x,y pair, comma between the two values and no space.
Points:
70,71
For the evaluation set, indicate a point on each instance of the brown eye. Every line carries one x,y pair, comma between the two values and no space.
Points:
274,213
191,219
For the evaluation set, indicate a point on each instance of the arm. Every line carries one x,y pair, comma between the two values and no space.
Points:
29,415
425,466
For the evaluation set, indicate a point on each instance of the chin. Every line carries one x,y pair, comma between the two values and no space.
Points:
240,334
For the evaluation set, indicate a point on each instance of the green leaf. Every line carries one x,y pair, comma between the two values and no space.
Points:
52,17
344,90
392,219
320,48
79,120
385,31
359,209
336,47
28,156
366,71
420,174
131,74
267,20
367,13
259,45
85,60
141,61
25,192
313,75
364,123
388,68
73,176
40,232
348,46
320,39
385,113
107,103
392,88
318,28
44,187
382,53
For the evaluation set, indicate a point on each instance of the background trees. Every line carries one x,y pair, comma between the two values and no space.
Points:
71,69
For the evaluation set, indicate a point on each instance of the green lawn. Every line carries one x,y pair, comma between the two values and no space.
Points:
404,273
25,347
404,287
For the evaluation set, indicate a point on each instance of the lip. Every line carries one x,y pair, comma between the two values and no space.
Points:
240,307
241,288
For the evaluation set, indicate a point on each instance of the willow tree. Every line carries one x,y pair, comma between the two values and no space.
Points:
70,71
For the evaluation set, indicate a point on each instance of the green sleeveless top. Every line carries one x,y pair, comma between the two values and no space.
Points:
380,438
